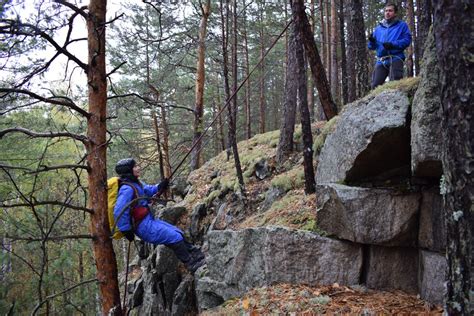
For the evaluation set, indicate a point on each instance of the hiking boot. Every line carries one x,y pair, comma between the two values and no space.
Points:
191,261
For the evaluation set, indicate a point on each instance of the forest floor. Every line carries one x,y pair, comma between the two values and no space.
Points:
285,299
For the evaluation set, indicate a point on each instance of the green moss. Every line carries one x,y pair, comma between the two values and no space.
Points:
309,225
408,85
212,196
325,131
284,203
292,179
266,138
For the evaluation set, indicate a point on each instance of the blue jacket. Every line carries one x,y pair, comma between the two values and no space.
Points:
396,33
150,230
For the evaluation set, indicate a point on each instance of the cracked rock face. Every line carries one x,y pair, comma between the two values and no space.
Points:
369,216
241,260
426,138
372,138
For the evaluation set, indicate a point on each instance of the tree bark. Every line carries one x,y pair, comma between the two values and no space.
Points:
199,91
310,185
310,79
317,69
453,34
334,61
96,158
323,33
288,118
328,39
351,74
361,68
233,106
248,113
411,24
424,13
343,54
262,103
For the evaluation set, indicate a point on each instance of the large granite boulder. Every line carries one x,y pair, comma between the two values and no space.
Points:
432,276
392,268
241,260
371,140
369,216
426,118
432,234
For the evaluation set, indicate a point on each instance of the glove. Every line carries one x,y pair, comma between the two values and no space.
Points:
164,184
129,235
372,38
388,46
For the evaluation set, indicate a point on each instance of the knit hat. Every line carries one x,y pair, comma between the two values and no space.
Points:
125,166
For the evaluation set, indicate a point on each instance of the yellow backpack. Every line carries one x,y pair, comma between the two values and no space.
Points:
113,186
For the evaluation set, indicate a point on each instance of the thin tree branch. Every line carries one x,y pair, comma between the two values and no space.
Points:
47,298
52,100
33,134
46,168
15,27
40,203
80,10
52,238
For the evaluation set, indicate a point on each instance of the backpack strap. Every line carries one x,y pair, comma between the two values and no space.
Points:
137,214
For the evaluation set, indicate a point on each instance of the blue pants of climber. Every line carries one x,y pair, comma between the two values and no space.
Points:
158,232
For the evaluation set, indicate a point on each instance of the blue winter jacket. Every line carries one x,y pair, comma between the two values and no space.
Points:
396,33
150,230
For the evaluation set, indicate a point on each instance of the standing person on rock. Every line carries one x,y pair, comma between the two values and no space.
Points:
390,38
135,218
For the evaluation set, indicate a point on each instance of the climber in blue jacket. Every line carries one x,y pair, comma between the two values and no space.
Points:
390,38
136,219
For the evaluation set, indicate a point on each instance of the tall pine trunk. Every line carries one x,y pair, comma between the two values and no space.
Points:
317,69
343,53
323,34
410,50
310,79
233,104
360,47
334,62
248,113
351,73
262,101
310,185
199,91
105,260
328,39
424,13
453,34
288,118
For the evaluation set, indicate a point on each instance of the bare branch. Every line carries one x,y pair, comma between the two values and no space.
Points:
21,259
15,27
37,307
116,68
39,203
13,167
46,168
71,6
52,238
33,134
52,100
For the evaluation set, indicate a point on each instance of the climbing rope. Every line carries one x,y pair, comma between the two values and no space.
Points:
173,173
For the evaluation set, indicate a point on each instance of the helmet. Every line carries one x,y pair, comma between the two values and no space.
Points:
125,166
